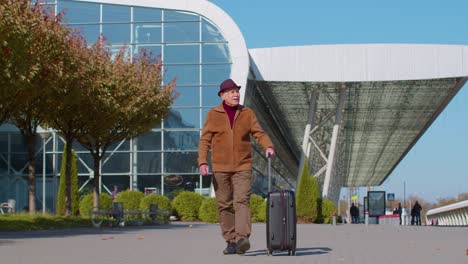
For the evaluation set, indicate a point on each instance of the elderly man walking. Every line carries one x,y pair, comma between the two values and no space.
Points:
226,132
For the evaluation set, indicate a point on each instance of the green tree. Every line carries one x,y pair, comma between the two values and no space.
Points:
30,41
70,97
125,101
74,186
462,197
328,208
443,201
307,197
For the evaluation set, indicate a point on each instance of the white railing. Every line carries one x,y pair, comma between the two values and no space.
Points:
450,215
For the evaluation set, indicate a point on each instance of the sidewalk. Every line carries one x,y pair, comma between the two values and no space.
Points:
183,243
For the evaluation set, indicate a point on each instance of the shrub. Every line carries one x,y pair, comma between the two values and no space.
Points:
162,201
131,199
86,203
328,208
186,205
61,206
172,194
258,208
25,222
164,204
262,216
307,196
209,211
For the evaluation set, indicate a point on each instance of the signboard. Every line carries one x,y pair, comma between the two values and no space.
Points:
173,180
376,203
151,190
366,204
361,213
390,197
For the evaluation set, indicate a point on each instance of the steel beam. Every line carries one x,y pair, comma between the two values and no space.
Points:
306,141
334,139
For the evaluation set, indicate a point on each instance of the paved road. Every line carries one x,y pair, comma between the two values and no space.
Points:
201,243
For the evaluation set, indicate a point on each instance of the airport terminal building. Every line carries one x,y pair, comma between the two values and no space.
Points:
351,111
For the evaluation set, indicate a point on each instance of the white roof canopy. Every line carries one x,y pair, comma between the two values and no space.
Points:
394,93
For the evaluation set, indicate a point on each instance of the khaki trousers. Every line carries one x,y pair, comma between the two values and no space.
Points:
235,221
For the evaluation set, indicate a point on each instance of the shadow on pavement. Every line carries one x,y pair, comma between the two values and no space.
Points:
79,231
5,242
299,252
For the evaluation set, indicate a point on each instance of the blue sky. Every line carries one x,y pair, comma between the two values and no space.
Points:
437,166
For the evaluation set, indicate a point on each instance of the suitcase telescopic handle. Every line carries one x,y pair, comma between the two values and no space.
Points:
269,173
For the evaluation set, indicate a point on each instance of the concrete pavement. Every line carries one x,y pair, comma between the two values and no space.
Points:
180,243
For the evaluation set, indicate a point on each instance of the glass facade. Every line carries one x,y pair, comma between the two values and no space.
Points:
195,54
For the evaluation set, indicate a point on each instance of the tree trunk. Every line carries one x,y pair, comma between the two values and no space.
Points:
31,142
68,200
97,162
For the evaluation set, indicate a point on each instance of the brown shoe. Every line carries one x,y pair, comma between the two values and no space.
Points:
230,249
243,245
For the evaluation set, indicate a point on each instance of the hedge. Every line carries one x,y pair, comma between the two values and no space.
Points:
187,204
130,199
26,222
258,208
209,211
328,208
162,201
86,203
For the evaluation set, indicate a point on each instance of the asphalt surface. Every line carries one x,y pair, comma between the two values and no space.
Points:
202,243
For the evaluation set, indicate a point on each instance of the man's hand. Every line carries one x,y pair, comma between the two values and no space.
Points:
269,152
204,169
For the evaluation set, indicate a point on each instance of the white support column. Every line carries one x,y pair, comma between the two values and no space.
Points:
43,174
334,139
134,163
100,173
54,171
306,141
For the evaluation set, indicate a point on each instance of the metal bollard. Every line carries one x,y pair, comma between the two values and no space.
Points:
117,213
367,218
154,211
334,218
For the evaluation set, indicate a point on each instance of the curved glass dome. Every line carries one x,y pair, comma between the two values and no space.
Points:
195,54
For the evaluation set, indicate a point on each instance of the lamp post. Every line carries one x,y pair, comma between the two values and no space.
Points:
44,135
404,222
404,193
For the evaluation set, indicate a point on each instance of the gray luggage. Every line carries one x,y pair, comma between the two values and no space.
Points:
281,219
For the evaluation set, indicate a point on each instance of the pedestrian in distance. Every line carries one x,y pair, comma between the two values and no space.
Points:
412,216
400,211
114,192
417,213
226,132
354,211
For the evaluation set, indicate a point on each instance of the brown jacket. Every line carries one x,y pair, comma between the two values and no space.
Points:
230,147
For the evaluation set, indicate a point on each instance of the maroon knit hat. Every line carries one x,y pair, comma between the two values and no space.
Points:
226,85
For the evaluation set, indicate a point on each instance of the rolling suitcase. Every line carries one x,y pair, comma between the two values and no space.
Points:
281,219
